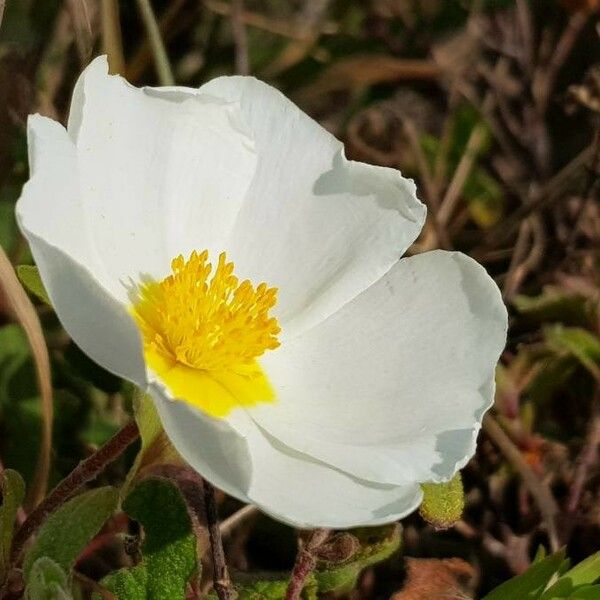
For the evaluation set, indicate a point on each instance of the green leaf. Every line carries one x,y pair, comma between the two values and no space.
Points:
68,531
376,545
169,548
443,503
248,587
47,581
531,584
29,276
582,574
577,342
554,305
274,590
155,447
13,492
587,571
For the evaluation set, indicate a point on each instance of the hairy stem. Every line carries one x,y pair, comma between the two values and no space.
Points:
305,564
84,472
221,580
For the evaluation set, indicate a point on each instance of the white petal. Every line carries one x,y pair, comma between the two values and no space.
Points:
163,171
315,225
393,387
289,486
51,218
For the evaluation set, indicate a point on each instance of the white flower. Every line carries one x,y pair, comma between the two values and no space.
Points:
326,404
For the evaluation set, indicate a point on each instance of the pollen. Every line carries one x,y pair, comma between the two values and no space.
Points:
203,331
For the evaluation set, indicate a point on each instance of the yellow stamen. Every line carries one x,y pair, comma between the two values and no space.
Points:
202,335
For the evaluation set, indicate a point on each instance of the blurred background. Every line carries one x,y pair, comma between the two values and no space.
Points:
493,107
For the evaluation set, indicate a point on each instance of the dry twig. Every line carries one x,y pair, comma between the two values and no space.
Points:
221,580
537,488
25,313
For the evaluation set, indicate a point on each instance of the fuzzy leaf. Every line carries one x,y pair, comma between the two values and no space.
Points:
67,531
29,276
47,581
13,492
443,503
169,548
269,589
531,584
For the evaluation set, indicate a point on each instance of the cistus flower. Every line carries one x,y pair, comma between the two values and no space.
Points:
216,248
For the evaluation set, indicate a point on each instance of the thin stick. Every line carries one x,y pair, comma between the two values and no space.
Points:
545,81
587,458
550,192
25,313
84,472
305,564
221,580
463,170
230,523
161,60
112,41
242,65
537,488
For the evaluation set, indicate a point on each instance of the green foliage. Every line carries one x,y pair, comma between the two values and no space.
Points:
483,194
272,590
68,531
376,544
169,547
531,584
47,581
551,579
331,576
577,582
155,446
443,503
554,305
29,276
578,343
13,492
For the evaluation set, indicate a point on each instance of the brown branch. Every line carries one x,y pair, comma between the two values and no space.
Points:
84,472
221,580
522,262
544,80
305,564
585,461
537,488
548,193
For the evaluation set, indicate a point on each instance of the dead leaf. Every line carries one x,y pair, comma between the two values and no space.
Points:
430,579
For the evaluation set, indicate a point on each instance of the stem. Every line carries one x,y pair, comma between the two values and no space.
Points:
305,564
537,488
221,580
242,66
84,472
229,524
112,39
161,60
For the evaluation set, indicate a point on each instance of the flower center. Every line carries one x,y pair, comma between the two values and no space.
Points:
202,334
